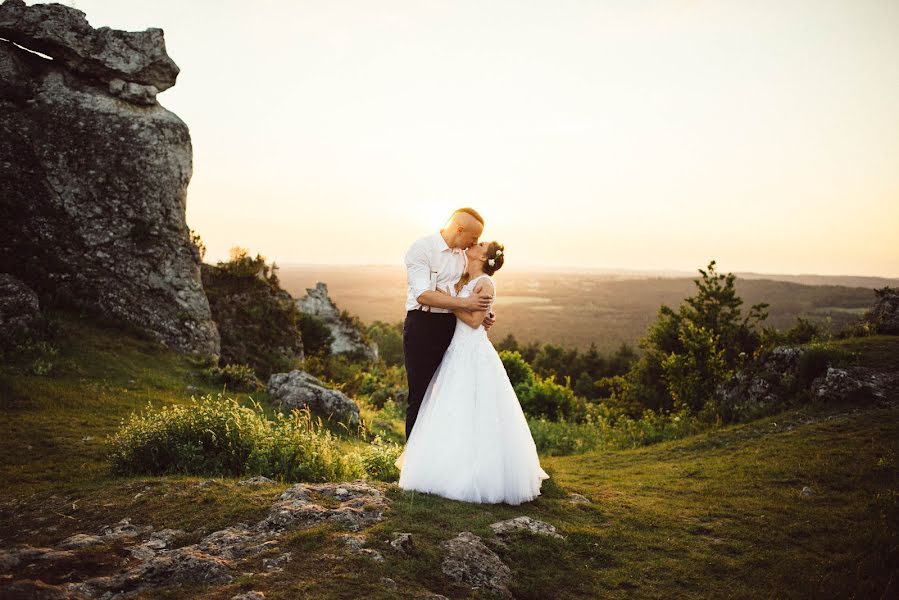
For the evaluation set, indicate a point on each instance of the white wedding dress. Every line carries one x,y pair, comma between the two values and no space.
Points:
471,441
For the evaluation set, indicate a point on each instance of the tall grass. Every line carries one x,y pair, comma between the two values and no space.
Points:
218,436
604,429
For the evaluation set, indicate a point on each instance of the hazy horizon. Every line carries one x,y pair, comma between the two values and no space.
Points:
643,137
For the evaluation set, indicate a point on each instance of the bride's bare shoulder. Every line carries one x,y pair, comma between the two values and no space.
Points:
485,282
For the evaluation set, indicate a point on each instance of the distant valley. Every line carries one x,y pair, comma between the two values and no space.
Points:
575,308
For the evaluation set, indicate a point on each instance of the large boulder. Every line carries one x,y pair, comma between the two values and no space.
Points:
134,65
346,331
94,184
298,389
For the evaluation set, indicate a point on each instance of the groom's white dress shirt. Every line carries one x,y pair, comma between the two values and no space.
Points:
432,264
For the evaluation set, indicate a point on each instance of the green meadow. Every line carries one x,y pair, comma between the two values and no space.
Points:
719,514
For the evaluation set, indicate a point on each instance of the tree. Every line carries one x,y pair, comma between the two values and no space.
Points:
508,343
317,337
689,351
389,339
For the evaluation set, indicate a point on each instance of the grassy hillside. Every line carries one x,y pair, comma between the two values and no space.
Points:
717,515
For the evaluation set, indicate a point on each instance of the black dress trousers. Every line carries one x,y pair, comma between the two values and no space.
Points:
426,336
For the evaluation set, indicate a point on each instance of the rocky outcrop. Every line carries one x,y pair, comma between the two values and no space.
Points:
348,336
298,389
94,175
856,384
157,560
133,64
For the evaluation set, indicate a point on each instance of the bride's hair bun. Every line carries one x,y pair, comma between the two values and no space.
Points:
496,256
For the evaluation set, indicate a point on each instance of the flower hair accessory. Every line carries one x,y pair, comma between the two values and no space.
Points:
491,262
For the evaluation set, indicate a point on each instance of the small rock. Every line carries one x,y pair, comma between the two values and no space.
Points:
249,596
526,524
81,540
470,563
402,542
258,480
276,564
806,491
578,499
388,582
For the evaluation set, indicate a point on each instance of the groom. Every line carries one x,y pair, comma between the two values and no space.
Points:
436,262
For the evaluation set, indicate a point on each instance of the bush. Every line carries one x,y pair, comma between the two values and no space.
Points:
519,371
543,397
220,437
815,361
378,458
692,374
389,339
236,377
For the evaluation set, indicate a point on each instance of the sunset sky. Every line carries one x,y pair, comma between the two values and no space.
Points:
629,134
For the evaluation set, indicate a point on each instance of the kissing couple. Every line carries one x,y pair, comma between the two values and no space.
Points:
466,435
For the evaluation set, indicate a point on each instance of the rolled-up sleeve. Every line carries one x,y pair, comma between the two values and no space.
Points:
418,270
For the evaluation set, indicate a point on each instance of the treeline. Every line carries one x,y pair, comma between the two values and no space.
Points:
581,371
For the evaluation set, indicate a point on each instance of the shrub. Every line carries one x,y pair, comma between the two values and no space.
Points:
692,374
519,371
236,377
377,459
816,359
220,437
543,397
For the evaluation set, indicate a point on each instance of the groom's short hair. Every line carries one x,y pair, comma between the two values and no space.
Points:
469,211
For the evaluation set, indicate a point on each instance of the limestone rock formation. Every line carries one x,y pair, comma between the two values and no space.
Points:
298,389
94,184
348,337
131,63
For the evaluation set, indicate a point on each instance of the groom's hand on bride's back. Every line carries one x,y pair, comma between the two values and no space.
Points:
489,320
479,300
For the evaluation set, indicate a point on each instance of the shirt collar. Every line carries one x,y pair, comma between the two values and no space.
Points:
442,246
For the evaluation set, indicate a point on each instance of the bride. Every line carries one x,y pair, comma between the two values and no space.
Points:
471,441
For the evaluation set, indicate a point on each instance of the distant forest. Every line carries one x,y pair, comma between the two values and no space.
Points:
576,310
